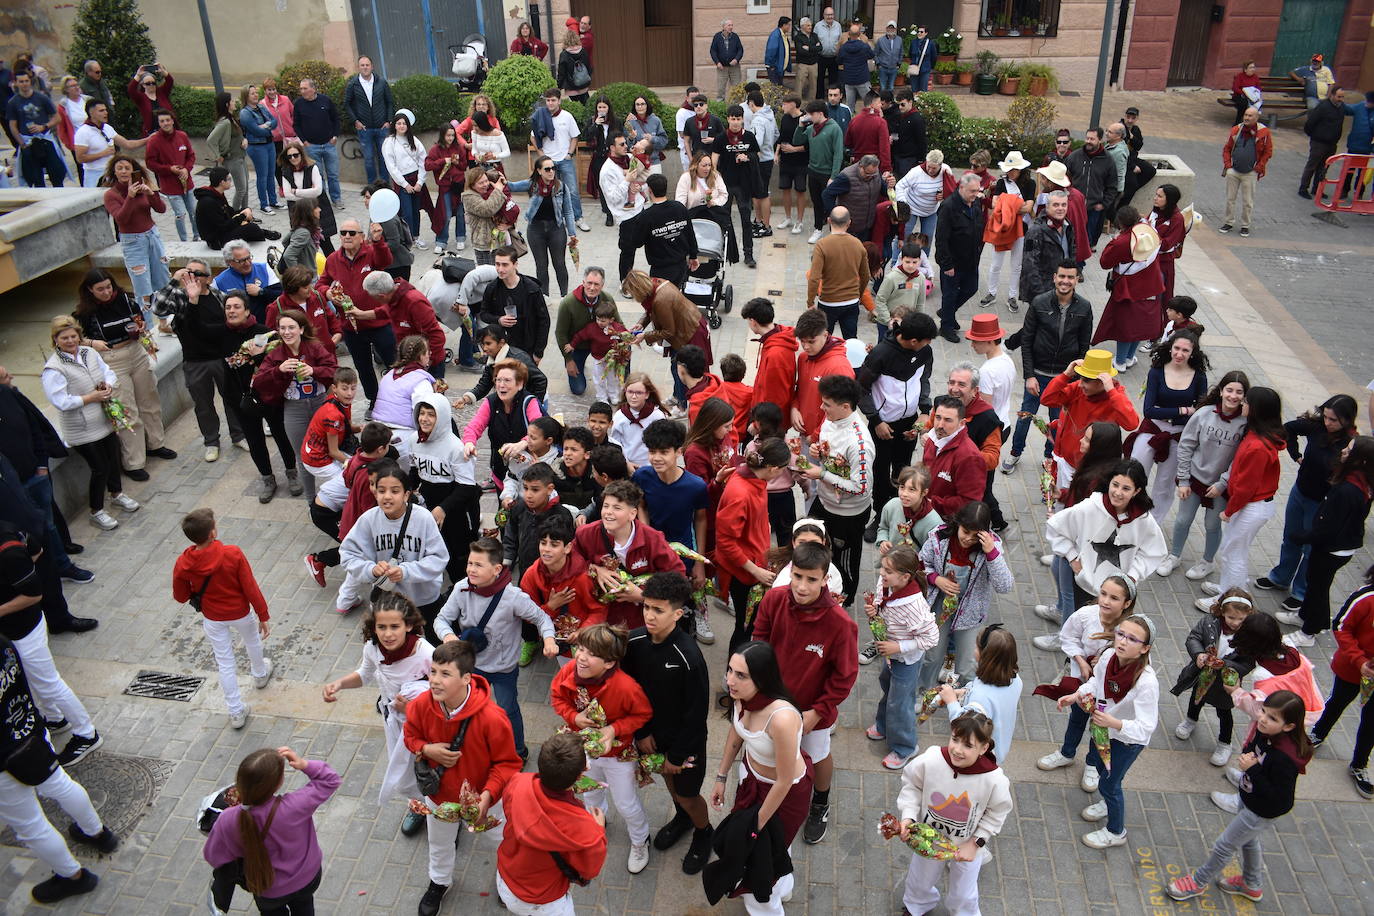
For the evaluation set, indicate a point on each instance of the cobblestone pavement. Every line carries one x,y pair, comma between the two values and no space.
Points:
161,757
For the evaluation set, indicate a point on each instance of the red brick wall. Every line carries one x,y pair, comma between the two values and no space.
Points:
1245,32
1152,42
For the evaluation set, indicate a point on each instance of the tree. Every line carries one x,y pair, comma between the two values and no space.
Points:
113,32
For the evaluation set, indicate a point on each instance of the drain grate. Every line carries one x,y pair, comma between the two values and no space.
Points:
159,685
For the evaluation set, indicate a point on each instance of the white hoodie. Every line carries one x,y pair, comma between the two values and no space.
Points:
441,460
422,558
962,806
1087,532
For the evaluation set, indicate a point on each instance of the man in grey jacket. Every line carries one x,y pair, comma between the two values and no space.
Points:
367,99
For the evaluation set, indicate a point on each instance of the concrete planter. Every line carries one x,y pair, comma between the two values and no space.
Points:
1172,170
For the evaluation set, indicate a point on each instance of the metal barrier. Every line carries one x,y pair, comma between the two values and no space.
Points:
1350,189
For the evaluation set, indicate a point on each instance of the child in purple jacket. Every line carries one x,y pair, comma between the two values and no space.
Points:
267,842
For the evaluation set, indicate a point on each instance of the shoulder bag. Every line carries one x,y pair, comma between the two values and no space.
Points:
428,775
377,591
477,636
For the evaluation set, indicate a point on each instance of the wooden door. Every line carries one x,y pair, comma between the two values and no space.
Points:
667,43
935,15
1307,27
619,53
1190,42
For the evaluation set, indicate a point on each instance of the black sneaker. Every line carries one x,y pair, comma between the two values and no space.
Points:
164,453
1292,604
1305,194
1244,233
871,532
429,903
78,575
59,888
817,824
72,549
763,232
698,852
869,654
78,747
105,840
1000,525
1224,227
749,261
137,474
1266,584
950,335
1362,783
671,832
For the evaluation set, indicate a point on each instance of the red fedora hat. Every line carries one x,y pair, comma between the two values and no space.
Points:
984,327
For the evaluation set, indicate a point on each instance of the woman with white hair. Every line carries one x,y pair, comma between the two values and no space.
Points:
922,189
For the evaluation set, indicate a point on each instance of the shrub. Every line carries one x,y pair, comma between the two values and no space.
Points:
772,97
1030,117
514,85
973,134
581,113
195,110
335,90
97,21
718,109
942,119
622,96
289,79
433,99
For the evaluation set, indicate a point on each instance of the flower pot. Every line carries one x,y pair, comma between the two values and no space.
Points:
985,84
1010,86
964,78
944,79
1000,31
942,58
1039,85
901,79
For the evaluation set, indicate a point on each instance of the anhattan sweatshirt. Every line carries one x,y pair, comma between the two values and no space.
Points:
673,675
488,760
422,558
231,590
817,647
540,822
962,803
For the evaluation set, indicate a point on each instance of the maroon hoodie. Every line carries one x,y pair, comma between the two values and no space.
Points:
817,646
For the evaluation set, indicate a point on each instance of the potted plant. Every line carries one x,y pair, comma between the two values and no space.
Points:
1038,79
964,75
947,45
999,28
986,82
1008,78
944,72
1042,27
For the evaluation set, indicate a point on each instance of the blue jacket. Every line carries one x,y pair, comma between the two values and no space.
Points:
887,52
854,57
651,128
777,54
726,48
257,124
1360,139
927,63
562,205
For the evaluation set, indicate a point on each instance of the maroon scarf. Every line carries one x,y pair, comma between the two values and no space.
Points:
391,657
637,420
545,188
486,591
1120,677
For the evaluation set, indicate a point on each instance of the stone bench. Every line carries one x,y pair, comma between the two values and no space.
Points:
111,257
42,229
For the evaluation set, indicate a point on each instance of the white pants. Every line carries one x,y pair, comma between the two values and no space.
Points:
50,693
619,777
442,853
354,590
921,893
20,809
603,381
781,888
563,906
995,271
1162,490
1236,537
327,472
221,636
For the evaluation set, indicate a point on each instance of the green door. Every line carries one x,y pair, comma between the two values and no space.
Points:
1307,27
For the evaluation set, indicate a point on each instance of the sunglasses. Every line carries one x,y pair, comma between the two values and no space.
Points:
241,260
200,273
1061,143
293,155
547,168
149,85
698,104
347,232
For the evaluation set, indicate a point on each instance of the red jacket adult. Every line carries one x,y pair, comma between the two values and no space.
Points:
231,589
1081,410
627,708
446,176
708,387
349,273
1078,219
488,761
324,318
806,396
867,134
530,47
777,373
539,822
648,553
145,105
412,314
742,532
1264,147
817,647
958,473
1254,474
165,151
270,382
1354,629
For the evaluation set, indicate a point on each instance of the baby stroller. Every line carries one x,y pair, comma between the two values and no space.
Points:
706,285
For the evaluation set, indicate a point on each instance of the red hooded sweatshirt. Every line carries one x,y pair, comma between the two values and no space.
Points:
488,760
627,708
741,397
742,532
648,553
832,360
817,646
412,315
777,374
1254,473
1354,631
708,387
958,473
540,821
231,589
1081,410
539,584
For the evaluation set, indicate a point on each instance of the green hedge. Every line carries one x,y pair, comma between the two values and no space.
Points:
195,110
514,85
433,99
290,76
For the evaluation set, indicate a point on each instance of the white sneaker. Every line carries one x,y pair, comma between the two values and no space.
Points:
261,682
1204,604
1094,812
797,228
1233,776
1049,642
1185,729
639,857
242,445
1119,367
103,519
783,223
1289,618
240,720
1221,755
1053,761
212,453
1211,588
1200,570
705,635
1168,566
582,224
1048,612
1227,801
460,244
1130,363
1090,777
1299,640
126,502
814,237
1047,559
423,246
1104,839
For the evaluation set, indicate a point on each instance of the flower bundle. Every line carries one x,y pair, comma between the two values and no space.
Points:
611,595
1102,739
617,359
922,839
686,552
118,414
575,253
146,340
467,810
834,464
592,740
1049,489
751,605
699,595
646,764
1207,674
878,627
948,606
502,516
587,784
802,461
565,627
440,386
930,701
1230,677
1366,689
345,303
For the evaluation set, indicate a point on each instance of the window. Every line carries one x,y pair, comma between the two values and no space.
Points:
1019,18
759,6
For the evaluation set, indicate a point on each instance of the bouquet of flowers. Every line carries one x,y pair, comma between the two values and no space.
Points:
1049,489
118,414
491,533
565,627
1207,674
648,764
751,606
802,461
617,359
146,339
502,516
1040,422
699,595
948,605
1366,689
612,595
922,839
834,464
447,811
1102,739
930,701
586,784
344,302
1230,677
469,801
878,627
440,386
592,739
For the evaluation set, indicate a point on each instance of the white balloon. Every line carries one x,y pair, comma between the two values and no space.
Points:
384,205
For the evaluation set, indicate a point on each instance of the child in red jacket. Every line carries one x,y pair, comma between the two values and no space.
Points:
742,532
595,675
733,390
620,543
485,758
1087,391
1352,664
817,645
550,838
1250,482
218,581
558,582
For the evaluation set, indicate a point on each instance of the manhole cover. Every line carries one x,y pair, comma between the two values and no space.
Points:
121,788
159,685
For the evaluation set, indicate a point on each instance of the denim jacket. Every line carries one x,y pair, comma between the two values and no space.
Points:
257,124
653,129
562,207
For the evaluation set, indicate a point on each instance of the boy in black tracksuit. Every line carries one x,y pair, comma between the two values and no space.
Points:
665,233
520,536
739,169
667,664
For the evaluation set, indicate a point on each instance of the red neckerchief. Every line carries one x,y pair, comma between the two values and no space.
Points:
622,161
639,420
543,188
1359,480
1056,224
920,511
391,657
985,763
910,276
593,681
645,119
1097,152
756,702
703,120
1247,131
734,138
486,591
1226,628
817,128
1132,512
1227,418
958,553
1114,681
407,368
911,588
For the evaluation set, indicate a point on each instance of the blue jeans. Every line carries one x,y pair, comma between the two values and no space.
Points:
1298,517
264,156
1073,732
679,389
846,316
1063,583
961,642
1030,403
466,348
887,78
577,384
370,139
39,488
1183,521
327,155
410,211
1126,350
361,344
896,715
144,260
448,205
954,292
923,81
504,686
1242,834
567,173
184,206
1109,783
925,224
1094,231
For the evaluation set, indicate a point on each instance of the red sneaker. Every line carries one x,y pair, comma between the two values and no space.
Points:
1236,885
1185,888
315,568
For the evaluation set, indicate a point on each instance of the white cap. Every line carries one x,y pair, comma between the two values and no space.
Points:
892,23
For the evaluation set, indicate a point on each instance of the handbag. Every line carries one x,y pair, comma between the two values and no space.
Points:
428,775
477,636
198,596
517,241
377,591
33,760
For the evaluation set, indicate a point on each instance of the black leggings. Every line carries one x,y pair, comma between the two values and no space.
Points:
815,185
103,457
251,420
847,540
1225,721
327,521
782,515
745,206
1316,605
1342,692
739,601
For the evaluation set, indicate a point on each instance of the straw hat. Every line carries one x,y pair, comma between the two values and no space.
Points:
1014,160
984,327
1096,362
1055,173
1144,241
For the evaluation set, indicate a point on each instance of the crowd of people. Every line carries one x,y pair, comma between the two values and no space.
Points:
621,541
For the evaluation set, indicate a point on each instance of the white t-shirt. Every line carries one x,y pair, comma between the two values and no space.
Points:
96,140
565,134
683,116
997,381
